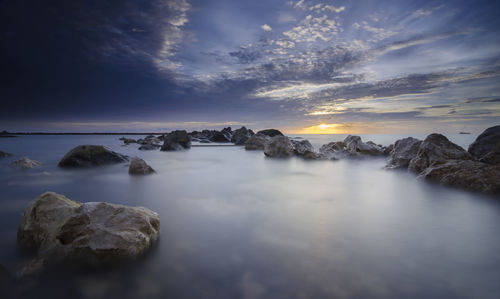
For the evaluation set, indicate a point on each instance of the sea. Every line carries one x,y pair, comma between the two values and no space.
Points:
235,224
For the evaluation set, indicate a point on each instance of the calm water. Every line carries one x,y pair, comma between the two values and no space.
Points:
235,224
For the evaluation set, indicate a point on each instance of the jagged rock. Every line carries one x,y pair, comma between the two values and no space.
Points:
91,155
436,149
149,147
485,142
220,137
257,142
354,146
333,150
465,174
176,140
128,140
58,228
25,163
279,147
270,132
303,148
139,166
4,154
241,135
403,151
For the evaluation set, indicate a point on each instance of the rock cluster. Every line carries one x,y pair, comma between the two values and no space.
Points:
351,147
91,155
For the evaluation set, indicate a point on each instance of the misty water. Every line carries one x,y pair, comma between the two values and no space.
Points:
235,224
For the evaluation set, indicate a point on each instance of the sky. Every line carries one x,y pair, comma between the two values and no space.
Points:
300,66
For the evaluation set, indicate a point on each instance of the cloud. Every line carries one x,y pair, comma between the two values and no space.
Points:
266,27
425,12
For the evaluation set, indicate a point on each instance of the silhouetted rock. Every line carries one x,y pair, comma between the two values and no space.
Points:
176,140
25,163
91,155
304,149
279,147
241,135
436,149
139,166
257,142
4,154
486,142
403,151
270,132
58,228
465,174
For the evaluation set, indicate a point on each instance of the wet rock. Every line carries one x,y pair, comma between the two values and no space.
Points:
91,155
4,154
176,140
139,166
149,147
270,132
485,142
257,142
333,150
128,140
58,228
241,135
303,148
354,146
25,163
436,149
279,147
403,151
465,174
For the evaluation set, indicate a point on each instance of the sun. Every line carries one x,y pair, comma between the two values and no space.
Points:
323,126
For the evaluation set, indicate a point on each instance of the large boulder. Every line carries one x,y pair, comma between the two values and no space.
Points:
303,148
58,228
257,142
270,132
436,149
402,152
241,135
333,150
139,166
465,174
176,140
91,155
25,163
4,154
354,146
485,142
279,147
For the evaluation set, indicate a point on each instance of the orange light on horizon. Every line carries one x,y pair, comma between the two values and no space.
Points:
323,129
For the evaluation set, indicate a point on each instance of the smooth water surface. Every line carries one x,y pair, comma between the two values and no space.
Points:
235,224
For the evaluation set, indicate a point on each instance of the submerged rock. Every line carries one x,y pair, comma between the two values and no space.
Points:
270,132
485,142
241,135
139,166
436,149
403,151
4,154
176,140
465,174
128,140
25,163
257,142
58,228
91,155
279,147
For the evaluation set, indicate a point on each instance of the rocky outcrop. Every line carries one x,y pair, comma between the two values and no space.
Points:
128,141
58,228
176,140
91,155
257,142
25,163
333,150
465,174
402,152
241,136
485,142
4,154
139,166
436,149
354,146
279,147
304,149
270,132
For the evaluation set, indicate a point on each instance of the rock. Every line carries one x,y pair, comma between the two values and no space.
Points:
241,135
91,155
220,137
149,147
436,149
257,142
354,146
25,163
58,228
228,133
4,154
279,147
139,166
270,132
128,140
205,141
485,142
303,148
333,150
403,151
465,174
493,156
388,150
176,140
